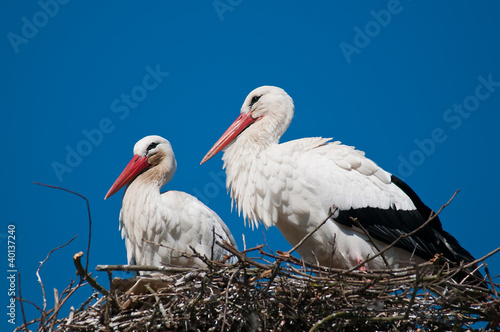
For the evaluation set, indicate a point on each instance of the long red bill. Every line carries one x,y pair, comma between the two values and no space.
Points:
243,121
134,168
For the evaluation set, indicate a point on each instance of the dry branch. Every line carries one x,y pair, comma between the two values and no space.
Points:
145,268
88,213
21,302
79,269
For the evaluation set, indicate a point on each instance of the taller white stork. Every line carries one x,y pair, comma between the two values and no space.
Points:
173,219
293,185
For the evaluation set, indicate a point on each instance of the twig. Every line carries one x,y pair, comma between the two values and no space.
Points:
88,212
413,295
227,300
493,288
108,303
42,316
33,304
67,293
300,262
202,291
332,254
160,305
206,260
57,306
76,259
242,257
71,315
330,214
259,247
265,241
482,258
182,252
403,236
21,301
33,321
151,268
371,240
203,258
213,244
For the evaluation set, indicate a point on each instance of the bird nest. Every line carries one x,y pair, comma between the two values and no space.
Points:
278,292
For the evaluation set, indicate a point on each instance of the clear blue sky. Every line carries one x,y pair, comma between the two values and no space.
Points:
415,84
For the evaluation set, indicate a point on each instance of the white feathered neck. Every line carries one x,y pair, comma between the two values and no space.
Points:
142,197
246,157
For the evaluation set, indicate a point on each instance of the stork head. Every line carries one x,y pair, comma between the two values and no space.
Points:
153,159
265,116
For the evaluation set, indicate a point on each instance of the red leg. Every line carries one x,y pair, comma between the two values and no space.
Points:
361,268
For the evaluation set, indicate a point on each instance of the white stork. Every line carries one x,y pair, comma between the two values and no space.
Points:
173,219
293,185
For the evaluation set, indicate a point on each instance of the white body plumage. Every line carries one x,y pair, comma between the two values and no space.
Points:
159,227
293,185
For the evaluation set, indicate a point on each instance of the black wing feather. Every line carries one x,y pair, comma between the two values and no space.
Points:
387,225
458,252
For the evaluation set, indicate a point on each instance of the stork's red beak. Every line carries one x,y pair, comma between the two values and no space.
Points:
134,168
242,122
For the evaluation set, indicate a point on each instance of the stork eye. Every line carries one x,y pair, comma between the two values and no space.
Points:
152,146
254,100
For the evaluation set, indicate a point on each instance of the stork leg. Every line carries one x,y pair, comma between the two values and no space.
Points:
359,260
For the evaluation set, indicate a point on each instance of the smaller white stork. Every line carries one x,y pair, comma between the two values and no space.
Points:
174,219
